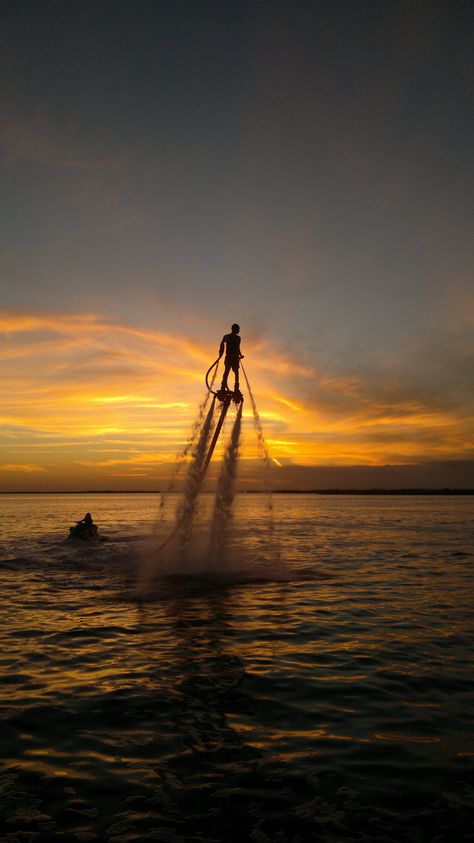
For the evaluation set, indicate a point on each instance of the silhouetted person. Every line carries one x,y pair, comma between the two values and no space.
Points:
85,529
231,343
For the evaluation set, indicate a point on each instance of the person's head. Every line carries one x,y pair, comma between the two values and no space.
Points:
235,328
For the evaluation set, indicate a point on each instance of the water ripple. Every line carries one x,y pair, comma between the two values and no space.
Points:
326,698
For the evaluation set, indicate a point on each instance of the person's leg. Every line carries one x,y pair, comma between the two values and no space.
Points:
235,369
225,375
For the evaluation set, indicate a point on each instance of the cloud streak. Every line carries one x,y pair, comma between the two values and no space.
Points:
91,399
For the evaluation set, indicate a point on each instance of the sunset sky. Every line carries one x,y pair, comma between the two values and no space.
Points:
304,169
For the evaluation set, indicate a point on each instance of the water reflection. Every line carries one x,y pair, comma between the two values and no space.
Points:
334,705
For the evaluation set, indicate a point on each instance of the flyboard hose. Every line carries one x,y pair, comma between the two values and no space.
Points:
209,385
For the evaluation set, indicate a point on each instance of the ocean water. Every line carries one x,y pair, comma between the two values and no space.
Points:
315,686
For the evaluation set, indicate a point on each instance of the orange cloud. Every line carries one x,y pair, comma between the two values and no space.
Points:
83,396
27,468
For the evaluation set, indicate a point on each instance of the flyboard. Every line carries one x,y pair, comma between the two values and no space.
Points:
225,397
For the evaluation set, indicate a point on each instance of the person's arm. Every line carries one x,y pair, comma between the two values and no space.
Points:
241,356
221,347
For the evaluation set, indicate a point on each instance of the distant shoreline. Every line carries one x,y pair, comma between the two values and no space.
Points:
414,491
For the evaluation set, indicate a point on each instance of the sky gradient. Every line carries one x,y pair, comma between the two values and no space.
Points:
304,169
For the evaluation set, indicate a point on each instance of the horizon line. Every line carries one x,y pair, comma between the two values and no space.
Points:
333,490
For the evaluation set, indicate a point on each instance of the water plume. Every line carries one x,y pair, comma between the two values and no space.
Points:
187,507
172,552
223,504
195,430
193,549
262,445
179,462
263,453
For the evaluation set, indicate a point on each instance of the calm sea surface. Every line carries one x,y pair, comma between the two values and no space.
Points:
317,687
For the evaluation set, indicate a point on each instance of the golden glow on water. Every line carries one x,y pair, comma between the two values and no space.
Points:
346,661
382,736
